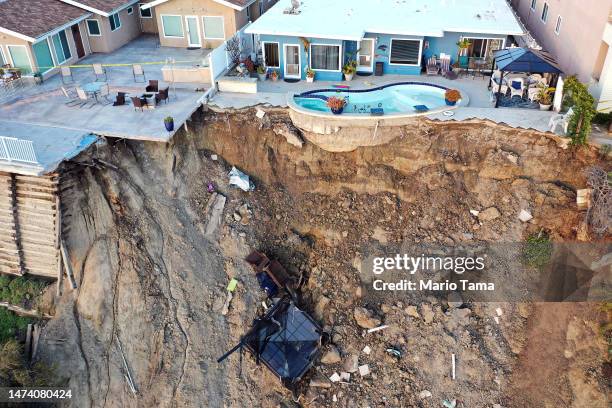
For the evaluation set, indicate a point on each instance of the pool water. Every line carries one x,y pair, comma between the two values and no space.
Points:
394,98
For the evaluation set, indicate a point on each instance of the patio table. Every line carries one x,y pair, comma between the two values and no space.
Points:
92,88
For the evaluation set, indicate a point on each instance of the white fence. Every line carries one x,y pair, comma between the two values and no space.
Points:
219,58
17,150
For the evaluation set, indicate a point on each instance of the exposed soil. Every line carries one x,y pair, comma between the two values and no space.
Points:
148,273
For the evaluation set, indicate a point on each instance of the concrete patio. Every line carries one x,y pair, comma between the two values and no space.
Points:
45,104
480,104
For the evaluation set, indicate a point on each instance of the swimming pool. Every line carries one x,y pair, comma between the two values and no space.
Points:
397,98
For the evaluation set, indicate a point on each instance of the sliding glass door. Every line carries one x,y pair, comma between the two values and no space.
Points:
21,59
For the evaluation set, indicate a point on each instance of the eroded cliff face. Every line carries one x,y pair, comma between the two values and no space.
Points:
151,279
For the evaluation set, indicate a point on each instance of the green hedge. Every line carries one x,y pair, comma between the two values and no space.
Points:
12,324
20,291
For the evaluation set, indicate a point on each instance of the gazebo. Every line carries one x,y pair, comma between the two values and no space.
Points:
523,60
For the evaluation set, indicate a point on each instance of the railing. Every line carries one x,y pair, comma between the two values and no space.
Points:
17,150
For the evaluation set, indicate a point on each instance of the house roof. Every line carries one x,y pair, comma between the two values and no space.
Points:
350,20
31,19
102,7
235,4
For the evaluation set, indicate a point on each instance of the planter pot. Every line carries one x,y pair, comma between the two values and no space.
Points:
450,103
545,107
310,79
169,126
348,77
262,77
337,111
274,78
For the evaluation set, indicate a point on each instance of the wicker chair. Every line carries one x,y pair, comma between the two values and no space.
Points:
162,95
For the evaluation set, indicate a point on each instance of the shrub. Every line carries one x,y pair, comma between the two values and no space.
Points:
11,324
537,250
20,291
583,104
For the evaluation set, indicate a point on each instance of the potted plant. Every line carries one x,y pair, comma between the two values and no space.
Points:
169,123
349,70
310,74
463,45
545,97
38,77
261,72
336,104
452,96
274,75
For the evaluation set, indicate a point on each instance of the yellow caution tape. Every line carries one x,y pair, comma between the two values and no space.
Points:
124,65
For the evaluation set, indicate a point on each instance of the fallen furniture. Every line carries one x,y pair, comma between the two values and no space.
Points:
274,271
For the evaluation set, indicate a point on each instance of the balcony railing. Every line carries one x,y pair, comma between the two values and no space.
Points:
17,150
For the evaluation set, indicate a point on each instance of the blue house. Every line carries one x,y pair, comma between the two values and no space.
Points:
401,34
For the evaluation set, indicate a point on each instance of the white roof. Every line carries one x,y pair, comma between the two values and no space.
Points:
351,19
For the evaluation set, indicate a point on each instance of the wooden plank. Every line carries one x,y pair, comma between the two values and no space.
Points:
36,194
35,339
60,274
25,312
28,342
37,180
67,264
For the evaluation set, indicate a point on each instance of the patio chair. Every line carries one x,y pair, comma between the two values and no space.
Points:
532,93
138,103
162,95
138,71
120,100
153,86
66,73
560,120
85,99
105,92
99,71
517,87
432,66
495,87
72,98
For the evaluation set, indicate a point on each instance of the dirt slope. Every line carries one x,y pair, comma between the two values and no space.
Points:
148,273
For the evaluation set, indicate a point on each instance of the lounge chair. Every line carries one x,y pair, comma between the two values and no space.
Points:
162,95
72,98
532,93
105,92
138,71
66,73
153,86
445,67
85,99
517,87
432,66
560,120
100,71
138,103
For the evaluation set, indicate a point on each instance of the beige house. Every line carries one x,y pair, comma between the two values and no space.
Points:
57,35
203,23
579,34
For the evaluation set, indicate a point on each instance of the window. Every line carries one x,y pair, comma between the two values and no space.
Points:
20,58
172,26
60,44
93,28
558,25
544,15
405,52
115,22
271,58
534,3
213,28
130,11
484,47
325,57
3,60
146,13
42,52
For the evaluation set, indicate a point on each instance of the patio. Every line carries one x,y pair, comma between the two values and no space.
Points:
45,104
481,101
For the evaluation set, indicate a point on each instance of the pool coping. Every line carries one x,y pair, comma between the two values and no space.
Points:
464,101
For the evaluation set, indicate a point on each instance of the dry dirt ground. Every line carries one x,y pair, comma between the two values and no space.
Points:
153,281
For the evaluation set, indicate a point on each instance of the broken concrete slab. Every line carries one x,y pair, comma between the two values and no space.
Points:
214,211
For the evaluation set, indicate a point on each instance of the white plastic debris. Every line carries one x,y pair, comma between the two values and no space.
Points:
367,350
454,365
424,394
474,213
344,376
499,311
260,114
335,377
240,180
214,157
525,216
496,319
334,398
375,329
364,370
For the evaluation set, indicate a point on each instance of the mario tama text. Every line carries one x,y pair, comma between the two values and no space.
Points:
404,272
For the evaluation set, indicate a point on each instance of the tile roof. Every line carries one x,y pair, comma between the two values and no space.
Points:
33,18
105,6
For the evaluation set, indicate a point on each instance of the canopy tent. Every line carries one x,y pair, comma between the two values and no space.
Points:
523,60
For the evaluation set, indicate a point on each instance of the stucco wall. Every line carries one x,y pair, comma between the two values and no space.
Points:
577,45
6,40
109,40
232,19
448,43
149,25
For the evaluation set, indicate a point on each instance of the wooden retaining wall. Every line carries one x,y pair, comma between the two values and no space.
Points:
29,225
